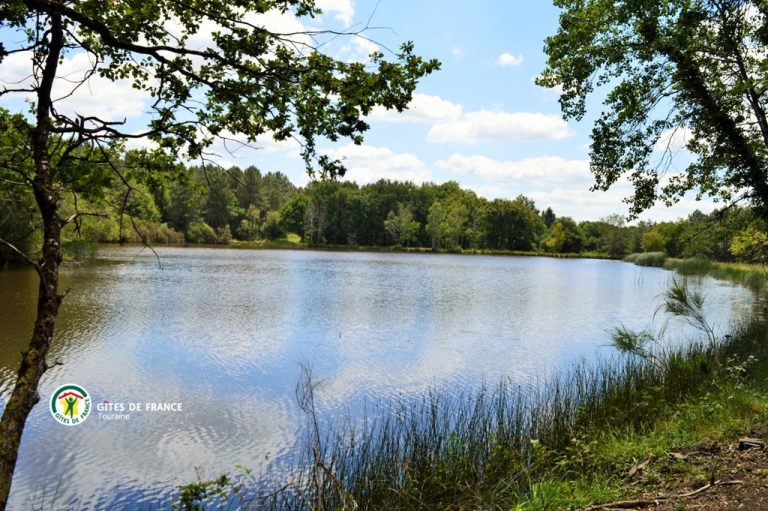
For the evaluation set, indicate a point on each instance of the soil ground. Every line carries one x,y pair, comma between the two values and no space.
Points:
683,480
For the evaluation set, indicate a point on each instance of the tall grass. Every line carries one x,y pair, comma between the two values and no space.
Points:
754,276
497,447
655,259
494,447
690,266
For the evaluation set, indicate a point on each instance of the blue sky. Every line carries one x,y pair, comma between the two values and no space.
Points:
480,121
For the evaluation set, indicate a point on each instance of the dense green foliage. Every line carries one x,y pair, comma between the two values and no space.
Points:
670,73
212,205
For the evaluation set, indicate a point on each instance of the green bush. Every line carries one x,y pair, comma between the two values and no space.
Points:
79,250
154,233
272,228
223,235
99,229
200,232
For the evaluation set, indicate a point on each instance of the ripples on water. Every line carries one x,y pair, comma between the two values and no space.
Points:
225,332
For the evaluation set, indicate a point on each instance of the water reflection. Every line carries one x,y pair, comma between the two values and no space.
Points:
225,331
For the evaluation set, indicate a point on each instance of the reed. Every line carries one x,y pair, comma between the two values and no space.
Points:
500,445
655,259
754,276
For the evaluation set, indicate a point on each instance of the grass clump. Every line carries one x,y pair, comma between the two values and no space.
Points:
690,266
654,259
753,276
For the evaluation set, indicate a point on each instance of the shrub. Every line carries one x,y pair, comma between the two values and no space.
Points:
79,250
272,228
153,233
223,235
200,232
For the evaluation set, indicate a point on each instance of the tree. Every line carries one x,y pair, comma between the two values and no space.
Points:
248,189
250,225
549,217
668,68
272,228
750,245
247,80
401,226
292,215
277,190
616,236
511,225
653,241
17,204
564,237
447,223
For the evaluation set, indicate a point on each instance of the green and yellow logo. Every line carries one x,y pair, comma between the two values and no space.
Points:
70,405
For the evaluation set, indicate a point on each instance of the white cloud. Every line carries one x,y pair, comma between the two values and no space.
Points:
555,182
367,164
282,23
457,52
272,20
543,171
15,68
485,125
344,10
551,181
359,49
451,124
674,139
422,108
100,97
139,143
509,60
237,148
581,204
365,45
491,191
106,99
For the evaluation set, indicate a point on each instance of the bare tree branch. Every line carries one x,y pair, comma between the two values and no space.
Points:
25,257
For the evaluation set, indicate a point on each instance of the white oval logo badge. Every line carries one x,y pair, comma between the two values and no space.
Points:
70,405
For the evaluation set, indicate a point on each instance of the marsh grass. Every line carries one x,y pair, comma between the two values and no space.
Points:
690,266
754,276
547,445
507,446
654,259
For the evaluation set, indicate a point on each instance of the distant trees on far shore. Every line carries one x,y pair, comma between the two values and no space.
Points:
212,205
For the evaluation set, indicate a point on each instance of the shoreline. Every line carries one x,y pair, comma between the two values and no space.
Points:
372,249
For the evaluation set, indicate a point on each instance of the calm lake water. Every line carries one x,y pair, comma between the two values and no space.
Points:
224,332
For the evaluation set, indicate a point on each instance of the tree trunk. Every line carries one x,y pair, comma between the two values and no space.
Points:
33,362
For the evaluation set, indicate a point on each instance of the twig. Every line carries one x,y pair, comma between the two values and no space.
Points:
629,504
145,242
26,259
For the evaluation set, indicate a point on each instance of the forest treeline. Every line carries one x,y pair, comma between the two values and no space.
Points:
211,205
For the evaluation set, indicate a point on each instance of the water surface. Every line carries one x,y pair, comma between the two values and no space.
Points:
225,332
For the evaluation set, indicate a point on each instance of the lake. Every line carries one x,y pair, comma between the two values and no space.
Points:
222,334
